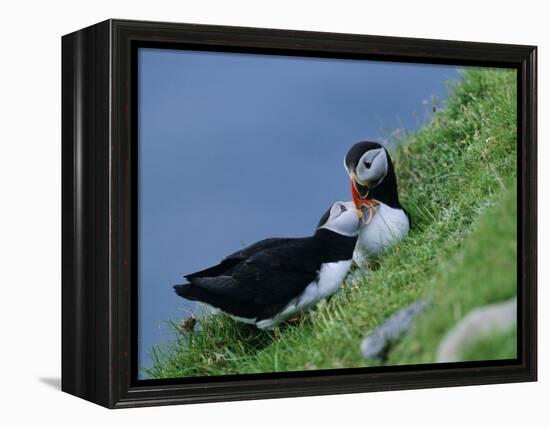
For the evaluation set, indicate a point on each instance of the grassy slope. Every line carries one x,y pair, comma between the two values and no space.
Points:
502,345
455,176
483,271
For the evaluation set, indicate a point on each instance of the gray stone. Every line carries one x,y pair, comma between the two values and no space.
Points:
477,324
376,343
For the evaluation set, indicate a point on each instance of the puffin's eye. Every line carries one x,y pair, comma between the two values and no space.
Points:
367,164
343,208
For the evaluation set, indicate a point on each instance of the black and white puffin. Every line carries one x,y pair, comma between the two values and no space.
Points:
374,192
276,278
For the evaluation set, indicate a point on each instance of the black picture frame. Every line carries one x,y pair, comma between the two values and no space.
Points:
98,213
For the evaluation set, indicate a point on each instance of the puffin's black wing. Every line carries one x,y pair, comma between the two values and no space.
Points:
279,273
261,285
227,264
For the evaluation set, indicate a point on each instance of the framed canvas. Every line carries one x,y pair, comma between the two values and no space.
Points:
252,213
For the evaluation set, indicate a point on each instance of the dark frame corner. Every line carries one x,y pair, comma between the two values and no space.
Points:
98,185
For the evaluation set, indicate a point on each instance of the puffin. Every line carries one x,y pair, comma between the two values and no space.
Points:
374,191
277,278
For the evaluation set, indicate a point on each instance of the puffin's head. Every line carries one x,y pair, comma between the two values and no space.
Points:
367,165
342,218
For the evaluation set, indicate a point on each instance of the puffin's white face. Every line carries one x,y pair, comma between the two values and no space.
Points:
371,168
343,219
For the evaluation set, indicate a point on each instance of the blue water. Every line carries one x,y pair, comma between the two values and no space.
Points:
234,148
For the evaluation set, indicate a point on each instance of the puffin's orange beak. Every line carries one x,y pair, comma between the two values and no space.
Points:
355,195
356,199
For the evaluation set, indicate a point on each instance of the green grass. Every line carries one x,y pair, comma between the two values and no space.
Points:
456,179
500,346
483,271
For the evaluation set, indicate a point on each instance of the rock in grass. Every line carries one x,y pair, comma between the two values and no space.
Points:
475,325
376,343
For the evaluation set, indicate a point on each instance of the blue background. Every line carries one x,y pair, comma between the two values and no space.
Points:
234,148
